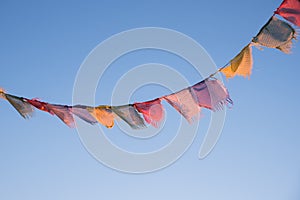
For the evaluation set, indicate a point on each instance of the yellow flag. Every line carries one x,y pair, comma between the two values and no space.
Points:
2,95
240,65
103,114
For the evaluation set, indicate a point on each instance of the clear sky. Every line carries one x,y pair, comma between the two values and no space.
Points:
42,47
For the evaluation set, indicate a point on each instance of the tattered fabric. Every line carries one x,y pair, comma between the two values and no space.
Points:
240,65
20,104
211,94
129,115
82,112
184,103
290,10
276,34
152,111
103,114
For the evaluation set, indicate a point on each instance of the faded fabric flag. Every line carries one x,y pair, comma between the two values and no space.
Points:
276,34
290,10
152,111
129,114
211,94
63,112
103,114
240,64
40,105
82,112
184,103
20,104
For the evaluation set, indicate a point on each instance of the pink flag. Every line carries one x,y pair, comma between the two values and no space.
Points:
152,111
63,112
184,103
210,94
290,10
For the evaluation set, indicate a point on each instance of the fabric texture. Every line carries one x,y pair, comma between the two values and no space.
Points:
211,94
240,64
184,103
276,34
152,111
103,114
129,114
82,112
20,104
290,10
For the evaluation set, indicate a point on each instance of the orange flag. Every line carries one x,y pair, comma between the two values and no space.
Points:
240,65
290,10
103,114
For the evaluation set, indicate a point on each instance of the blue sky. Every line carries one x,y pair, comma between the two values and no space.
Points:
42,47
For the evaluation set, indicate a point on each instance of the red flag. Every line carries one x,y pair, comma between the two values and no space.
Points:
40,105
290,10
61,111
152,111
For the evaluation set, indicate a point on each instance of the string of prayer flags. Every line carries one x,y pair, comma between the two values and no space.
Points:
209,93
276,34
153,111
240,65
290,10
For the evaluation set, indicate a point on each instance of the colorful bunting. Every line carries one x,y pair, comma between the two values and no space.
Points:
290,10
276,34
240,65
209,93
152,111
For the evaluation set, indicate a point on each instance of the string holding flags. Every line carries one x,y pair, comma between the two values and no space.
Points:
209,93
